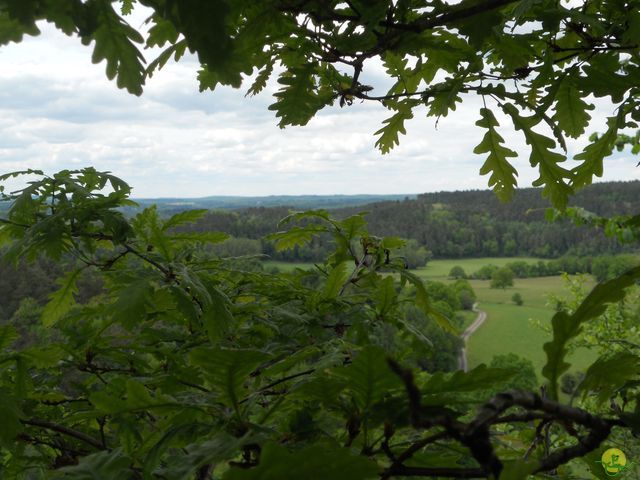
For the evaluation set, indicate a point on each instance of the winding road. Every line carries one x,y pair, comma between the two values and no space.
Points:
477,323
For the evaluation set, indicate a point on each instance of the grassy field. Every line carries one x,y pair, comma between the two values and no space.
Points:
509,328
534,291
286,266
513,329
439,269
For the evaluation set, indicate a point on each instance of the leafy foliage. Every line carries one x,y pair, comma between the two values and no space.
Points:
502,278
314,463
185,365
503,178
565,326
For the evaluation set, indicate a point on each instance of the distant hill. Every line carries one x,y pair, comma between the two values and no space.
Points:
457,224
298,202
475,223
471,223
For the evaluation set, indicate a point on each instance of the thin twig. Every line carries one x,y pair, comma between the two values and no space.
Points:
268,387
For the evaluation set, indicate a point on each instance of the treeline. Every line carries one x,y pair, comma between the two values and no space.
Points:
602,267
30,282
455,224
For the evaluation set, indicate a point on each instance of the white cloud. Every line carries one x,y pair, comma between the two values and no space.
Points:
57,110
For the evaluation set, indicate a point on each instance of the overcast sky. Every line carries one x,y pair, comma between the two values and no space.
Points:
58,110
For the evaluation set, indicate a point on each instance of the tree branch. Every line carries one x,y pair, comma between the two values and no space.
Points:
65,431
453,14
476,434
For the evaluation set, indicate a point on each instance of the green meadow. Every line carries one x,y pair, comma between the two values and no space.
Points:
286,266
509,328
440,268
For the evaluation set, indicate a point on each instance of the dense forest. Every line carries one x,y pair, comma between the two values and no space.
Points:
449,225
437,225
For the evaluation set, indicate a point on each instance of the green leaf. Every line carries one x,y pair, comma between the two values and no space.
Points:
479,27
385,295
570,110
297,101
443,387
127,7
565,326
209,78
416,332
114,42
593,463
552,177
107,465
131,397
518,469
8,335
11,30
9,419
227,370
61,301
187,216
394,127
337,279
260,82
606,375
353,226
593,155
372,11
176,434
408,80
604,78
132,300
317,462
137,395
444,51
503,175
445,98
424,303
220,447
296,236
46,356
393,243
177,51
217,317
207,29
369,377
323,387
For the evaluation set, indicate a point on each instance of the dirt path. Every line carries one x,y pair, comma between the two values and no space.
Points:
462,356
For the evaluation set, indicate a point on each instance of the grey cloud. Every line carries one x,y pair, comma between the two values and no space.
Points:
174,141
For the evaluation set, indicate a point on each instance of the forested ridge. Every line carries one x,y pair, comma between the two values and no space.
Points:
453,224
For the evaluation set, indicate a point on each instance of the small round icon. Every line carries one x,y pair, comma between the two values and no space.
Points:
613,461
